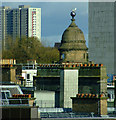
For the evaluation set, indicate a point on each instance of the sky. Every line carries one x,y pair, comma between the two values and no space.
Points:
55,18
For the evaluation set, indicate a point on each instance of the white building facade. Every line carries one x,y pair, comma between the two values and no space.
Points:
34,22
68,87
28,75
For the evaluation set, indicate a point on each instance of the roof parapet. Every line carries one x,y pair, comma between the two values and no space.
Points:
68,65
90,95
6,65
21,95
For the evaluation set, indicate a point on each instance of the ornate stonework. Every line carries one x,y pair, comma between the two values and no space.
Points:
73,47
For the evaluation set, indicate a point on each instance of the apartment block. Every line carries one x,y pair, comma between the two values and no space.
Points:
22,21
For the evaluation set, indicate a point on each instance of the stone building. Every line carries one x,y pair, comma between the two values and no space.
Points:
10,72
90,103
67,80
74,74
73,47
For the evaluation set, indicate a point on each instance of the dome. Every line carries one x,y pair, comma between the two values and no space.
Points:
73,38
73,47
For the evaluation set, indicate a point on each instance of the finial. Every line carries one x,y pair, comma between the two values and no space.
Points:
73,14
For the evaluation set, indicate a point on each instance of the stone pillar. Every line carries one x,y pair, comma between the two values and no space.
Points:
68,87
13,74
103,81
103,106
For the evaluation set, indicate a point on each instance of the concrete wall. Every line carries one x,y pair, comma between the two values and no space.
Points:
85,105
45,98
47,79
96,105
19,112
101,34
88,80
47,72
68,87
93,80
8,73
47,83
89,85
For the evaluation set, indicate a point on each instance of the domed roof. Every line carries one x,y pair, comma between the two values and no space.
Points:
73,37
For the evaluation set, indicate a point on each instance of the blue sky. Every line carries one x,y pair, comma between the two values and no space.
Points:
56,18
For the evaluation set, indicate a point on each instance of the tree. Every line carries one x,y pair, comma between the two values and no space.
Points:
29,48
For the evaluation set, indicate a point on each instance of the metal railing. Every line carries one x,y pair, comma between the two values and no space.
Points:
28,84
14,102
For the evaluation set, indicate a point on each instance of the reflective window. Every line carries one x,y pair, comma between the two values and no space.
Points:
3,95
7,94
